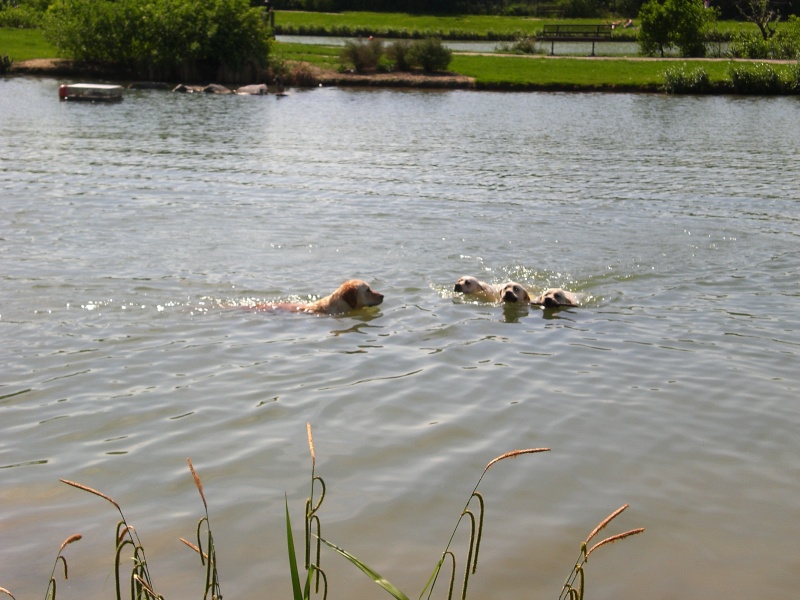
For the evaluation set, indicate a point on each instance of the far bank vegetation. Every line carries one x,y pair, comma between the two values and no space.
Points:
224,40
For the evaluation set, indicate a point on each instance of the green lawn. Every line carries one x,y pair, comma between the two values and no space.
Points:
453,27
326,57
566,73
24,44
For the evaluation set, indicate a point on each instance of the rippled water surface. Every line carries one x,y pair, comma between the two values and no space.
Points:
133,236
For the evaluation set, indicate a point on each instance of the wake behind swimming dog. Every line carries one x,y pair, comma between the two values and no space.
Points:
351,295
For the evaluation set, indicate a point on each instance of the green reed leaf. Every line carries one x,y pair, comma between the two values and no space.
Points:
381,581
297,590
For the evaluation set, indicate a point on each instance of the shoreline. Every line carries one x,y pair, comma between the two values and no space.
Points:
64,67
310,75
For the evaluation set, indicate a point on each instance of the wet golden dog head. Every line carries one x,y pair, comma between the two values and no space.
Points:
476,287
351,295
555,297
514,292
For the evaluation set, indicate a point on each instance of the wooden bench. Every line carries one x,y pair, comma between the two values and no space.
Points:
574,33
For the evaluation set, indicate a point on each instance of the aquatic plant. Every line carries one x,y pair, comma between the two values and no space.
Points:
141,585
51,586
207,559
569,591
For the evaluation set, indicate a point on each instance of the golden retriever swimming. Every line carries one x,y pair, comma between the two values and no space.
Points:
351,295
475,287
514,292
555,297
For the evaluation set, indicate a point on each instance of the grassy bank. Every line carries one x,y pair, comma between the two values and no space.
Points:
25,44
537,72
466,27
489,71
518,72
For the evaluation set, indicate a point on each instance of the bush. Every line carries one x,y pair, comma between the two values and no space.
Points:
794,79
362,56
522,45
398,54
784,45
23,17
161,38
430,55
680,80
758,78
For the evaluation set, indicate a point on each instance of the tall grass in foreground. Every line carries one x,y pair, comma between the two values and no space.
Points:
140,585
573,587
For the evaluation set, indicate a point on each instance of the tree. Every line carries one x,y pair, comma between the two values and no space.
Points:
674,23
764,13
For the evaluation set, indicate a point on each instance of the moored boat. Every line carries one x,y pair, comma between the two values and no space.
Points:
91,92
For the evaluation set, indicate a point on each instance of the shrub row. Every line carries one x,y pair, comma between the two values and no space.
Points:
784,45
743,78
161,38
429,55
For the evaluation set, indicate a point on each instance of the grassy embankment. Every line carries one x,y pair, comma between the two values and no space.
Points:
489,71
535,72
466,27
25,44
493,71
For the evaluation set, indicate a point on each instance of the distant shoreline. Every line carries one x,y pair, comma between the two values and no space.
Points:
315,76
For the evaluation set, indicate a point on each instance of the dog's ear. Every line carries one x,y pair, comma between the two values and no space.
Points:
350,296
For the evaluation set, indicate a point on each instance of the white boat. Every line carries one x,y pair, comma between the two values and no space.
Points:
91,92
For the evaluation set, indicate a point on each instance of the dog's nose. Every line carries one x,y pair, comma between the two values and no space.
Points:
509,297
457,288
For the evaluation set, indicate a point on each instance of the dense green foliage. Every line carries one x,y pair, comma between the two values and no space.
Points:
22,13
682,80
783,45
681,24
161,38
429,55
363,56
746,78
763,79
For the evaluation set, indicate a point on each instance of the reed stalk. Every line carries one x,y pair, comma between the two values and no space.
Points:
208,557
140,580
474,536
51,586
573,591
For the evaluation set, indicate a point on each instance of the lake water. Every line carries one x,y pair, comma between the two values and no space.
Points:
134,235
